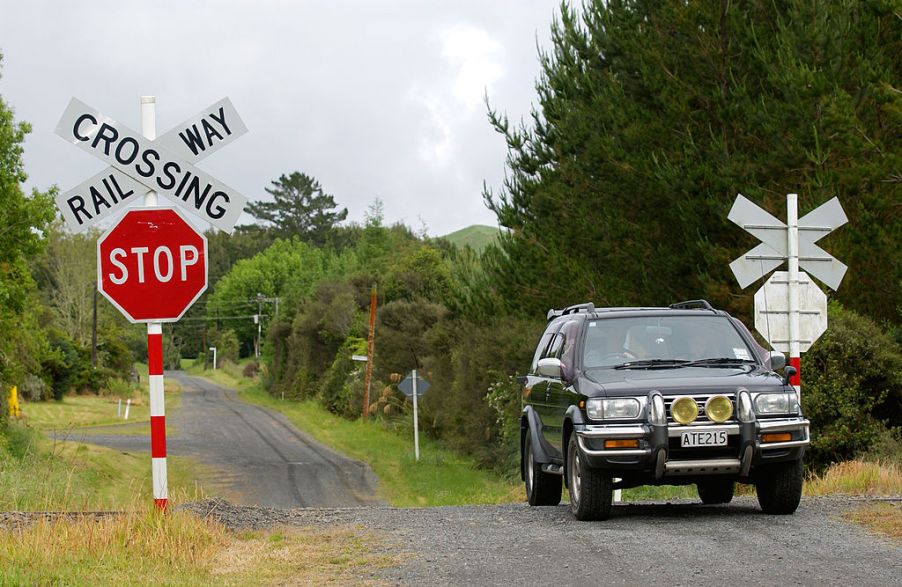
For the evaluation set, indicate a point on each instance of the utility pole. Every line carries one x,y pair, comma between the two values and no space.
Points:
368,378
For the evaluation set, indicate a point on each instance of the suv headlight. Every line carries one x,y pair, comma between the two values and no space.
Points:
620,408
777,403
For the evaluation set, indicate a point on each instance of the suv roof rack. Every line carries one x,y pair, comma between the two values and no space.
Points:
692,305
586,307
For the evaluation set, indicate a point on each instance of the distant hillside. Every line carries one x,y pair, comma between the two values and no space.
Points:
477,236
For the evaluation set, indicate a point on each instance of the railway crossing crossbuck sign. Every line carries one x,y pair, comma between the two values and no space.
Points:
138,164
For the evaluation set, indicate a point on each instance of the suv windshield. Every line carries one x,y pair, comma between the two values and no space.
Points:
662,340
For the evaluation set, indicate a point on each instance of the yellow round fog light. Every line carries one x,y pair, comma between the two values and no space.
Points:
684,410
719,408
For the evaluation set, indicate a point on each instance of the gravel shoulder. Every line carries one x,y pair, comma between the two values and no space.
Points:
677,543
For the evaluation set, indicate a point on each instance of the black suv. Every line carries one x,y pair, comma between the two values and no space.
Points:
622,397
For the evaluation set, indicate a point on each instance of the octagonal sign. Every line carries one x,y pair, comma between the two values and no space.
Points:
152,265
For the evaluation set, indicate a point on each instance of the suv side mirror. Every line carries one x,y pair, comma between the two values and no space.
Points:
788,373
777,360
549,367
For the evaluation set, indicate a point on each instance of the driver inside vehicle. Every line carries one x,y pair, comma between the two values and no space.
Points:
698,347
608,347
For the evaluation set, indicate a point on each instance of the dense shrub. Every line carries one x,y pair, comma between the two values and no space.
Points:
337,391
250,370
68,367
227,346
35,389
476,360
851,387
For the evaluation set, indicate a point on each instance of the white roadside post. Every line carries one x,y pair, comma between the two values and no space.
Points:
416,427
155,351
792,245
213,348
412,386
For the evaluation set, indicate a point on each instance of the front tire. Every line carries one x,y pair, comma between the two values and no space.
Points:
541,488
779,488
716,491
591,490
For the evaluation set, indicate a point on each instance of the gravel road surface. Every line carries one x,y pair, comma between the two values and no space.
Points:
678,543
255,456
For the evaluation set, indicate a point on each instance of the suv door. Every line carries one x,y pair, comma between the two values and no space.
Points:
560,395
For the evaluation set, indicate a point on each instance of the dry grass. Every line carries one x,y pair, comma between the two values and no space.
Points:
857,478
881,518
304,556
181,549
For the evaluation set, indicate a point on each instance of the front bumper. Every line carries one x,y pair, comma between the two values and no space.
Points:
660,455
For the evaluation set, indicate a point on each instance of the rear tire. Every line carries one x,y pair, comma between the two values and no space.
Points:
716,491
779,487
591,490
541,488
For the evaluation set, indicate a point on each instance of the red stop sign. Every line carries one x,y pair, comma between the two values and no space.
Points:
152,265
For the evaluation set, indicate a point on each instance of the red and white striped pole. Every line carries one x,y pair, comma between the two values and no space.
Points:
157,414
155,352
795,354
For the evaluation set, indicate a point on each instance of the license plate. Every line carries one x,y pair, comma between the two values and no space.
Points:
703,438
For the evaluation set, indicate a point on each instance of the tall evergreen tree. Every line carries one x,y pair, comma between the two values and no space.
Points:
653,115
299,208
22,219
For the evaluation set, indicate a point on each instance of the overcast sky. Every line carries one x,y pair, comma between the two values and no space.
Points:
373,99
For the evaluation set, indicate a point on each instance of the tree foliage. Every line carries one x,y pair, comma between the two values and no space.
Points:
299,208
851,387
22,219
653,115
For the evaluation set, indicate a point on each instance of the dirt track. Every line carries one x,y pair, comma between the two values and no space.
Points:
256,457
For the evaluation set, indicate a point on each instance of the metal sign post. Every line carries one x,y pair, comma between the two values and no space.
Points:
159,478
413,386
782,324
416,419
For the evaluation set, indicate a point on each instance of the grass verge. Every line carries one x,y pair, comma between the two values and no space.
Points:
39,474
857,478
880,518
440,477
145,548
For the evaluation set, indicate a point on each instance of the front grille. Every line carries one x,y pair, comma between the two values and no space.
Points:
700,399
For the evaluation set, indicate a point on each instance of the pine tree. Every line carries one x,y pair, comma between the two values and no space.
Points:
299,208
653,115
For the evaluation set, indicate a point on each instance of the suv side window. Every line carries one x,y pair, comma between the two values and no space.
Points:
543,345
570,334
556,347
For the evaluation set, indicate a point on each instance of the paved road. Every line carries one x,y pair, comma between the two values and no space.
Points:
254,456
683,543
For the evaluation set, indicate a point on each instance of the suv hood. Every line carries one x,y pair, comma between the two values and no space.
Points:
631,382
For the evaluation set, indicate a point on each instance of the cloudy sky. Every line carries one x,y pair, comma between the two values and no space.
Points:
373,99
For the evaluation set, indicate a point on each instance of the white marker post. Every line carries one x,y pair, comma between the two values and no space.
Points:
416,427
792,247
213,348
155,352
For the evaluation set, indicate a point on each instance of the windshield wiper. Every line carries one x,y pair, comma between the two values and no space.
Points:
719,361
653,363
